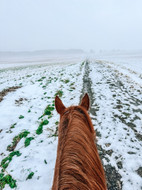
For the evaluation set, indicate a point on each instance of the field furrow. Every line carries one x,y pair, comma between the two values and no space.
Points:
118,121
29,122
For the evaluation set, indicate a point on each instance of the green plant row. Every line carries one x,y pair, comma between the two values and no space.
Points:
16,139
7,179
5,162
48,111
40,128
28,141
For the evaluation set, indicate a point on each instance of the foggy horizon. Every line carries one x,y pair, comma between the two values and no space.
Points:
44,25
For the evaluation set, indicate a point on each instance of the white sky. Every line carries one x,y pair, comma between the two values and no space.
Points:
64,24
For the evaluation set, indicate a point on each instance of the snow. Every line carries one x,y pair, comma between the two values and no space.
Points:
18,59
112,124
35,99
129,64
117,92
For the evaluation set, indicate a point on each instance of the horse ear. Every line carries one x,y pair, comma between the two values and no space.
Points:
85,102
59,105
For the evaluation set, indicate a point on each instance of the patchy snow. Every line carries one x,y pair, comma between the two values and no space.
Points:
129,64
118,120
38,88
117,93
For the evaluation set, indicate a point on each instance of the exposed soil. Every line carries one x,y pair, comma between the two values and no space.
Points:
113,177
20,101
139,171
6,91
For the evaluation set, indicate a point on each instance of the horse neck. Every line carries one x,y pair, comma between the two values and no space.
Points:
76,127
74,123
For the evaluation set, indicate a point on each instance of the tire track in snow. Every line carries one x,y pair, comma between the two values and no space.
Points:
112,175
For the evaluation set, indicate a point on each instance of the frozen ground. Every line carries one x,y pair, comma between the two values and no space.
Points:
21,111
128,63
28,131
118,104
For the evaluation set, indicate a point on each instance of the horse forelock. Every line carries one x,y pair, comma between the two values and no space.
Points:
75,112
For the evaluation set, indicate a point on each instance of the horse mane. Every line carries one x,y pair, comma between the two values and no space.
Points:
78,166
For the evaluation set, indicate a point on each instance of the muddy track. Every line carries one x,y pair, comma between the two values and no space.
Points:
113,177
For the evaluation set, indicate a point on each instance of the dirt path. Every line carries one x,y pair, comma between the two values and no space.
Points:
113,177
116,111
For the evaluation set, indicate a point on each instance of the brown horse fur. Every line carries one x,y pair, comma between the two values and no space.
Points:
78,166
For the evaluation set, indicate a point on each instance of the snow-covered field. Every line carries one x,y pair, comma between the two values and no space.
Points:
119,121
29,122
21,111
128,63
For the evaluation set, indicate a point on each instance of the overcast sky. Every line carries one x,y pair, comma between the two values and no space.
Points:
65,24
